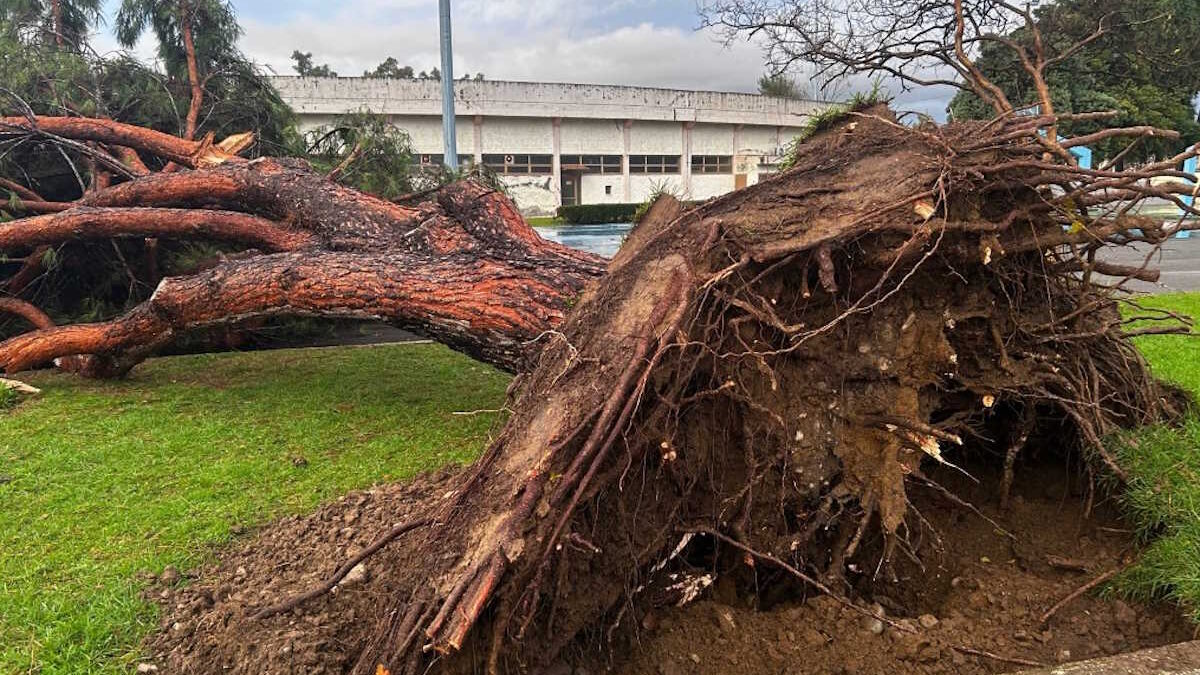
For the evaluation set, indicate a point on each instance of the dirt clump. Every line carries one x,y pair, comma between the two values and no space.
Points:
296,552
979,590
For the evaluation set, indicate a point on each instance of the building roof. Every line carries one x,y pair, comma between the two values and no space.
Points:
332,96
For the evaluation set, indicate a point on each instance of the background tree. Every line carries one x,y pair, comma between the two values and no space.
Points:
304,66
90,280
365,151
65,22
779,84
1143,62
196,37
390,69
956,44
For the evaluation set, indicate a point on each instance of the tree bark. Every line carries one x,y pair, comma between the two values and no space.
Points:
184,152
463,267
189,47
57,17
85,222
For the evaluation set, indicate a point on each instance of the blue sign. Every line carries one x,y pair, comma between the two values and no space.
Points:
1083,156
1190,167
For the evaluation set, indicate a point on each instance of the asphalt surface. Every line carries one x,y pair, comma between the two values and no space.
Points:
1178,262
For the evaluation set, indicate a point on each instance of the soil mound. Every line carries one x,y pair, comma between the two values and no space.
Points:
975,589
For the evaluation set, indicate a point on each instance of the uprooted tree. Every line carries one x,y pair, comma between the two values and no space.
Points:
766,373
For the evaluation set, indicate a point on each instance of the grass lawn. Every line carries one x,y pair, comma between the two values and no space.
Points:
101,480
544,221
1164,465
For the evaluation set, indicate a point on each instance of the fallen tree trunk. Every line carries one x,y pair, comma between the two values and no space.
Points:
461,267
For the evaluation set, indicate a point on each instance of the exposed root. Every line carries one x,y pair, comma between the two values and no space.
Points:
337,576
996,657
1045,619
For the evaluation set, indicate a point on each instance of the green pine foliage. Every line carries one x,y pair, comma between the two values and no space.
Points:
1144,68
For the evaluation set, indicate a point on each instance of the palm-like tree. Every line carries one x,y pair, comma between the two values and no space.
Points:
198,37
67,20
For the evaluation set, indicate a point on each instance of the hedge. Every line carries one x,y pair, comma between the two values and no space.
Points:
593,214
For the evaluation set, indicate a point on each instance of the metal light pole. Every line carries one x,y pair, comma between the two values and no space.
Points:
450,141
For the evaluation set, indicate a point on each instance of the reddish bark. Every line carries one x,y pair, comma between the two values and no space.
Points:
56,14
185,152
30,270
19,190
30,206
462,267
131,159
42,321
189,48
490,309
27,311
84,222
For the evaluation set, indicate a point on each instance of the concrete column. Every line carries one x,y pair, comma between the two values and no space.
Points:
556,142
734,183
478,129
685,161
627,133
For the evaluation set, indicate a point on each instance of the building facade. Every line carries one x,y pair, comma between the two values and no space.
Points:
556,144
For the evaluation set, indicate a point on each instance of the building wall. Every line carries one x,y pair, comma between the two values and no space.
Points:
645,187
509,118
593,191
314,95
593,137
765,140
706,186
524,135
656,138
535,195
713,139
425,133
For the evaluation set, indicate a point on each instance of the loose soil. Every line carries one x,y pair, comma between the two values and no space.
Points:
973,588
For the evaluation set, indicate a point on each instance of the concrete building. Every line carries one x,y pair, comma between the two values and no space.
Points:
560,144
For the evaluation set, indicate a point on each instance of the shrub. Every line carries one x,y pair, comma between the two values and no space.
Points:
592,214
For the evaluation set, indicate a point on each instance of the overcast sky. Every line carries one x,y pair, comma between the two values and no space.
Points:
634,42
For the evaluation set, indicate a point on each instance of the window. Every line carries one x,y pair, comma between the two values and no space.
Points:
712,164
593,163
608,189
436,159
519,164
654,164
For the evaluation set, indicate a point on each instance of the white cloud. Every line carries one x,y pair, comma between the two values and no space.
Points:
642,54
587,41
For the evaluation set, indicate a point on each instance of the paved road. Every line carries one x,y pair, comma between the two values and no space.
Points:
1178,262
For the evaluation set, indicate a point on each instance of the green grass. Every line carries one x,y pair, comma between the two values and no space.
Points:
544,221
101,480
1163,496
